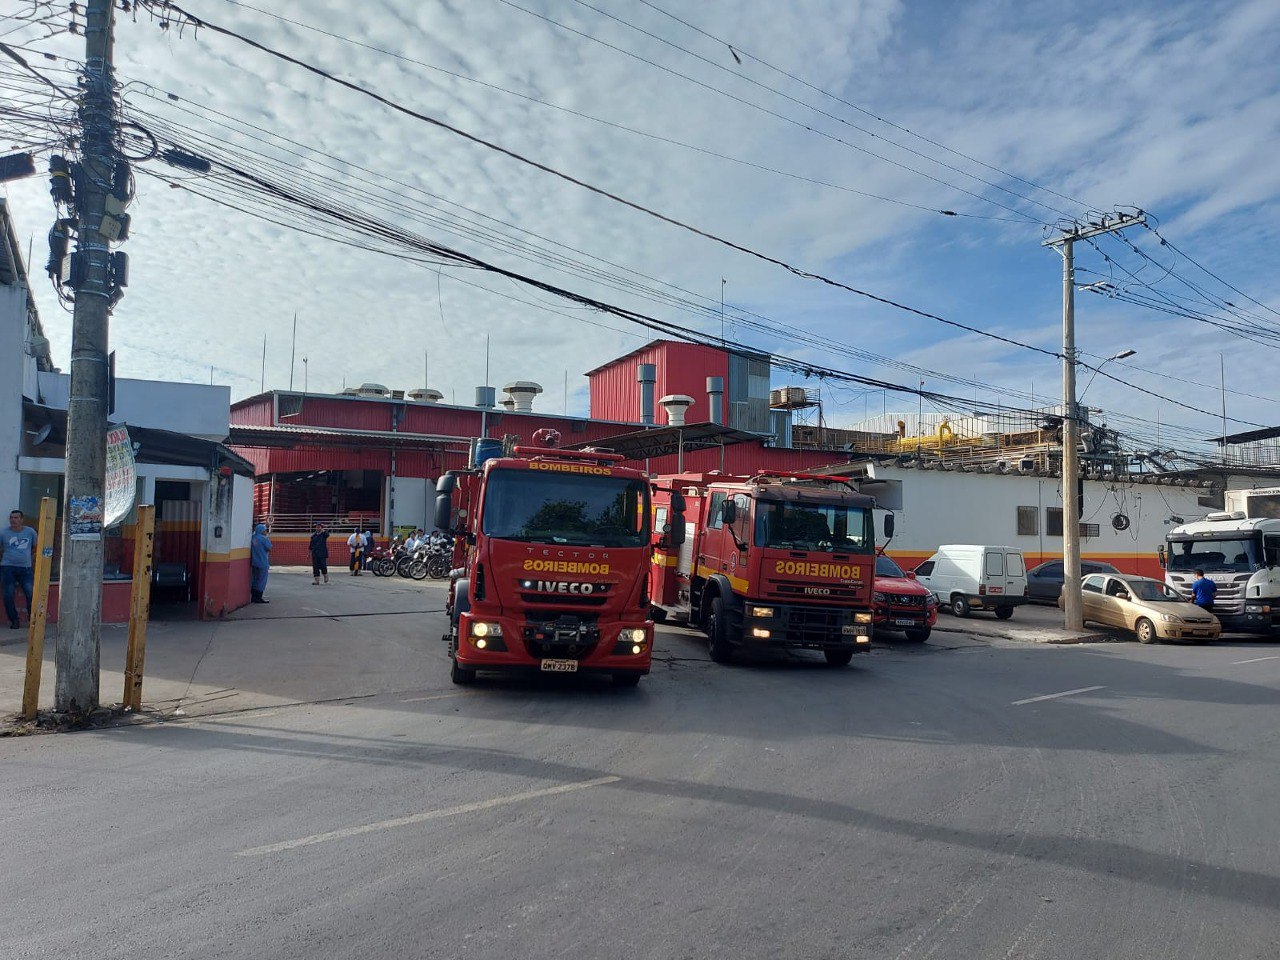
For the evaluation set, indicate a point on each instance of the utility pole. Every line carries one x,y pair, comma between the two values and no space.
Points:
293,349
96,286
1072,599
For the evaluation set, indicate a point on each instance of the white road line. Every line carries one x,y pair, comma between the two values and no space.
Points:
1055,696
1255,660
437,696
424,816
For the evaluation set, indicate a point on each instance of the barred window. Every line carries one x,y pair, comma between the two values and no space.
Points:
1028,521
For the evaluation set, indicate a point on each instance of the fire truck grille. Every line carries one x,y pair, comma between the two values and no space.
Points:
568,636
562,600
807,590
814,624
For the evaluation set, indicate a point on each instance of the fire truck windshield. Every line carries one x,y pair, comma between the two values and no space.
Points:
554,507
814,526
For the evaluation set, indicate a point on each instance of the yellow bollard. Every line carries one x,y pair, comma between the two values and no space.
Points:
38,615
144,536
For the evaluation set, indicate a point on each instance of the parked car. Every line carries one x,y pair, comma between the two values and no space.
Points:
1146,607
902,603
967,577
1044,581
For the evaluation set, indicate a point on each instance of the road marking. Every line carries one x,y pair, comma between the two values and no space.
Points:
424,816
1255,660
438,696
1055,696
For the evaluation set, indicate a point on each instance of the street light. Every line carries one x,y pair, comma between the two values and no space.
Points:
1122,355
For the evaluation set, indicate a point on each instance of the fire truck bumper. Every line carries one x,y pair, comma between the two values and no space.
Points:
511,645
805,628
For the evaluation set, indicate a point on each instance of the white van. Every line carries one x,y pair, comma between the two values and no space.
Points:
966,577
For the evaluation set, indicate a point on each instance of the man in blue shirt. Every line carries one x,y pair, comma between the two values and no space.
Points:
16,566
1203,591
259,563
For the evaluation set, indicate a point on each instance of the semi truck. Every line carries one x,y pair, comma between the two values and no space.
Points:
770,561
1239,549
551,566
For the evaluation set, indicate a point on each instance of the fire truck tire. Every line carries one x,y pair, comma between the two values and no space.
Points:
657,614
838,658
626,679
459,674
918,636
960,606
718,632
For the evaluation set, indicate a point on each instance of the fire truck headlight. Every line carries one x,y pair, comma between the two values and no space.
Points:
762,612
636,648
862,616
633,635
480,628
760,633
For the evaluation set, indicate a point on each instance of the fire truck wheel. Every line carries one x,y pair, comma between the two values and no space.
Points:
626,679
459,674
838,658
918,636
718,632
960,606
657,614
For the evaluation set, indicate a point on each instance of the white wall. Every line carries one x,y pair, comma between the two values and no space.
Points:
411,502
196,409
947,507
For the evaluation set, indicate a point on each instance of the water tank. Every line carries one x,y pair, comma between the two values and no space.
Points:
485,448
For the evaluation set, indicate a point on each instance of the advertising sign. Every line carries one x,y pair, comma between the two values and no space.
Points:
122,477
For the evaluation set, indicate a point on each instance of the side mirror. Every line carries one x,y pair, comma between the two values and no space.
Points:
444,509
729,511
447,483
674,532
677,502
1162,557
911,574
888,526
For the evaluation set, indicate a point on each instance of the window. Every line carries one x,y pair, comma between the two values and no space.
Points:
533,507
885,567
1116,588
1088,530
714,520
1028,522
830,527
1093,584
995,564
1016,568
1051,571
1053,521
925,569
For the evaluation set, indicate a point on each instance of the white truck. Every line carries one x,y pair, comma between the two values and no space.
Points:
1239,549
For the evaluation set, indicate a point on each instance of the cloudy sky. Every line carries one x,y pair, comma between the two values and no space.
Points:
1171,107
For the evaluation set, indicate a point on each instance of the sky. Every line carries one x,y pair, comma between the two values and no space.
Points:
1060,109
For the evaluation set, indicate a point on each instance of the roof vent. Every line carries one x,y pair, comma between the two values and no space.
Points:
425,395
522,393
372,390
676,404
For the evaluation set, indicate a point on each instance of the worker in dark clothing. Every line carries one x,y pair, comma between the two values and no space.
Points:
1203,591
319,548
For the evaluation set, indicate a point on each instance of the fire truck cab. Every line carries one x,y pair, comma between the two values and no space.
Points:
771,561
551,566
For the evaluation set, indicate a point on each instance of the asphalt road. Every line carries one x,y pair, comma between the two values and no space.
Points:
922,803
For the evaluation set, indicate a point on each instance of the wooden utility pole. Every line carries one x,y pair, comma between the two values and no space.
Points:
144,538
96,281
38,615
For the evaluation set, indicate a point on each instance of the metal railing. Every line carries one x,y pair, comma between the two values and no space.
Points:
347,522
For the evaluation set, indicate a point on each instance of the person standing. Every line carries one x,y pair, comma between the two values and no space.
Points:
260,563
355,543
1203,590
368,548
319,548
16,565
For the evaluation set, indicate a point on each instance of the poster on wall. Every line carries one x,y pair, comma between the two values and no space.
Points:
122,477
85,520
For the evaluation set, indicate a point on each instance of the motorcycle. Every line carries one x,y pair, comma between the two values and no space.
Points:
382,560
413,564
439,559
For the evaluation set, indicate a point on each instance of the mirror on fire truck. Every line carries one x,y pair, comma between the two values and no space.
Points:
728,511
888,526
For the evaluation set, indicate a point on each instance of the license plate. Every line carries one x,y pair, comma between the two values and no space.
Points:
853,630
997,589
559,666
904,623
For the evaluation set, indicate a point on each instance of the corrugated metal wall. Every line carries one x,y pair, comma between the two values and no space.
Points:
681,368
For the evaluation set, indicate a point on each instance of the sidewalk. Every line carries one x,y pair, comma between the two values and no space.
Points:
353,637
1030,623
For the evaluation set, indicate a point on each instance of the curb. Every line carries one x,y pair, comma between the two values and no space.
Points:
1022,638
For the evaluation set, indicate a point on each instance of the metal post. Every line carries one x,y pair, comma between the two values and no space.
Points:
37,616
1072,600
80,599
144,538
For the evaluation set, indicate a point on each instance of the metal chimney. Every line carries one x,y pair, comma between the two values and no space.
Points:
522,393
646,376
486,398
676,404
715,397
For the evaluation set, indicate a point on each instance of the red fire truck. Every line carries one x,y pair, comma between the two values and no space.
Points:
776,560
553,553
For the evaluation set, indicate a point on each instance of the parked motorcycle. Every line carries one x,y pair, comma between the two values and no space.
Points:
439,559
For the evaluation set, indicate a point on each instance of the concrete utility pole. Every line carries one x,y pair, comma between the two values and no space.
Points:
1071,419
80,596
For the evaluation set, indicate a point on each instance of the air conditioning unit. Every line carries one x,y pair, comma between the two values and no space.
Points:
1027,465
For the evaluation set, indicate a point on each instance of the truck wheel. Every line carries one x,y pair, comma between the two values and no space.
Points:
458,674
718,632
917,636
960,607
626,679
1004,613
657,614
838,658
1146,631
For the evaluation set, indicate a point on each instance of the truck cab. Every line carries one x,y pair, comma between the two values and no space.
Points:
1241,554
771,561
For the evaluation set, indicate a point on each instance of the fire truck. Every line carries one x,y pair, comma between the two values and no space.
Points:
775,560
551,570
